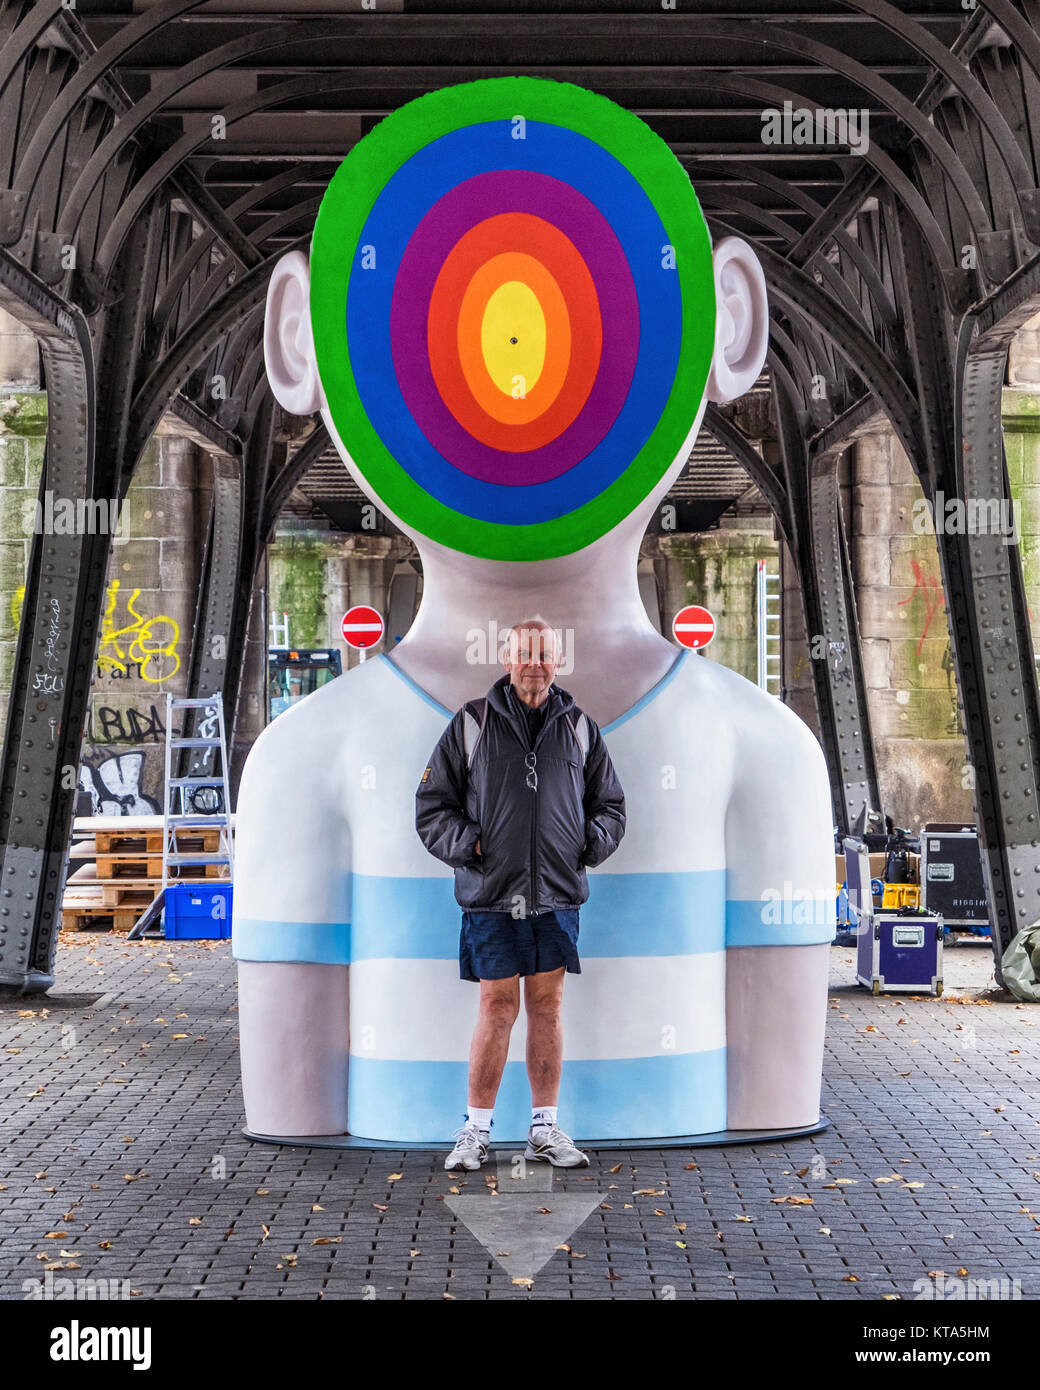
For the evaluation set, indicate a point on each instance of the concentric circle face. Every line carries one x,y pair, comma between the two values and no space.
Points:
513,314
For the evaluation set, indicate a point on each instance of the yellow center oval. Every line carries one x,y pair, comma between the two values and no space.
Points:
512,338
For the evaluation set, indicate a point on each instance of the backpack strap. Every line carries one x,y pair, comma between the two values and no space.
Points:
474,718
580,730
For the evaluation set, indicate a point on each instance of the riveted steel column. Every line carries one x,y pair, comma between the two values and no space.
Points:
211,644
55,649
821,559
995,664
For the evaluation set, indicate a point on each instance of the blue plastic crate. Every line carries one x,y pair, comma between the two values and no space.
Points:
192,911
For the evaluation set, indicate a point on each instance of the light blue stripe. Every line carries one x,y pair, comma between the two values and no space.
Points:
424,1102
419,919
634,915
651,694
326,943
423,695
748,923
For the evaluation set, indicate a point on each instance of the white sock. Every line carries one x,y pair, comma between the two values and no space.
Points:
480,1118
542,1116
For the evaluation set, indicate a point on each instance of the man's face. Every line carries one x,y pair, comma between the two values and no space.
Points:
532,659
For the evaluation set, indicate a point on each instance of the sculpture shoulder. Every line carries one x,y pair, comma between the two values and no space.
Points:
306,741
774,744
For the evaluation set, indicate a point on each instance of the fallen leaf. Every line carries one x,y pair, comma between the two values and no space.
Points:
545,1211
393,1177
850,1279
738,1218
524,1283
825,1230
379,1206
616,1168
681,1244
56,1235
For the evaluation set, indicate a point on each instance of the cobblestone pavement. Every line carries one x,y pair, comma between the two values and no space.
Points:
124,1160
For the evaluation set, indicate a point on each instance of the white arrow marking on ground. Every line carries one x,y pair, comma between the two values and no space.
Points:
512,1222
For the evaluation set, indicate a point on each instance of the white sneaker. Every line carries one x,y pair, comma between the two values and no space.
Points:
471,1147
551,1145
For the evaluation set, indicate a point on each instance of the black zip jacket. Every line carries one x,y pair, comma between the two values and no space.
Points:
535,842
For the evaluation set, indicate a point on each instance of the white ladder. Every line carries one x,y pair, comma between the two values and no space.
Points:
214,741
768,618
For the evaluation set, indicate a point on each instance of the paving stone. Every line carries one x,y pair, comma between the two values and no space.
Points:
153,1146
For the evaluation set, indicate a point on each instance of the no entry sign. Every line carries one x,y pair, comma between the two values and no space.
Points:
693,626
362,626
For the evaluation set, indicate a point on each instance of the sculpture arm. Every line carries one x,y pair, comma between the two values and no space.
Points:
291,932
779,922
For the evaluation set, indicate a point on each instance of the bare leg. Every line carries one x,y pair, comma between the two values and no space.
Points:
499,1006
543,996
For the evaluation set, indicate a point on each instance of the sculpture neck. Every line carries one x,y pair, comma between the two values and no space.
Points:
612,654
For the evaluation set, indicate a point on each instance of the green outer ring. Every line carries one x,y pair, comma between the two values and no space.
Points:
344,209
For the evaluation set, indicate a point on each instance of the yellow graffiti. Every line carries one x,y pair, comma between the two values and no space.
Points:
146,649
17,599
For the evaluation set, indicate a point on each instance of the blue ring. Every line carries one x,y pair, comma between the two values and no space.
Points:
404,201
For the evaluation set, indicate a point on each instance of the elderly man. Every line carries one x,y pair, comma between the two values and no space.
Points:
519,797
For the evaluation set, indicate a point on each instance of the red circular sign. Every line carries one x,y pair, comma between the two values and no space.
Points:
362,626
693,626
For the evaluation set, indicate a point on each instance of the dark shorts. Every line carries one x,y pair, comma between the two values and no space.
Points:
497,945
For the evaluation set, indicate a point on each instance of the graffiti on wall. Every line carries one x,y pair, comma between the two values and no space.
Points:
114,785
143,647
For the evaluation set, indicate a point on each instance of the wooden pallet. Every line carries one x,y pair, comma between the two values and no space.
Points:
83,913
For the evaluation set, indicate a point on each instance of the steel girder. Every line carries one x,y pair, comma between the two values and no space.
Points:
959,391
820,555
55,650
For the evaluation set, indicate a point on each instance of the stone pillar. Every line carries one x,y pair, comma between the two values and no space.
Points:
907,659
1021,413
717,569
148,614
298,583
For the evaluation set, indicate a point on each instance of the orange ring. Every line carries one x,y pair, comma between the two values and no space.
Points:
501,235
509,410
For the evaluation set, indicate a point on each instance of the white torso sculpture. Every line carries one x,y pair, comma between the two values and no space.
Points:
701,1003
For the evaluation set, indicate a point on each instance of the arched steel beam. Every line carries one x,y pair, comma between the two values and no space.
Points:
204,243
1018,29
960,77
193,345
769,485
103,61
858,348
800,199
272,37
733,205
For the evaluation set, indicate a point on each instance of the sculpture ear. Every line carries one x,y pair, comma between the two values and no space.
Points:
741,321
288,346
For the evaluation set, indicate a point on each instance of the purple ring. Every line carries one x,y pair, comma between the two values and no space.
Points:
470,202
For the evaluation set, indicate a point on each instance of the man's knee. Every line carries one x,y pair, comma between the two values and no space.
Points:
543,995
500,1001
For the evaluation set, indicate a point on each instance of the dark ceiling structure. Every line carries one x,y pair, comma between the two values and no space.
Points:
156,158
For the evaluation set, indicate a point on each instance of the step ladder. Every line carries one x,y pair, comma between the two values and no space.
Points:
210,778
768,611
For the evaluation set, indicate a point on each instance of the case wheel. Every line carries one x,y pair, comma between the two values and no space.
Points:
876,987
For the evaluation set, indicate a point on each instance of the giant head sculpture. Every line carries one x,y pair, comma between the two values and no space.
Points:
510,320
